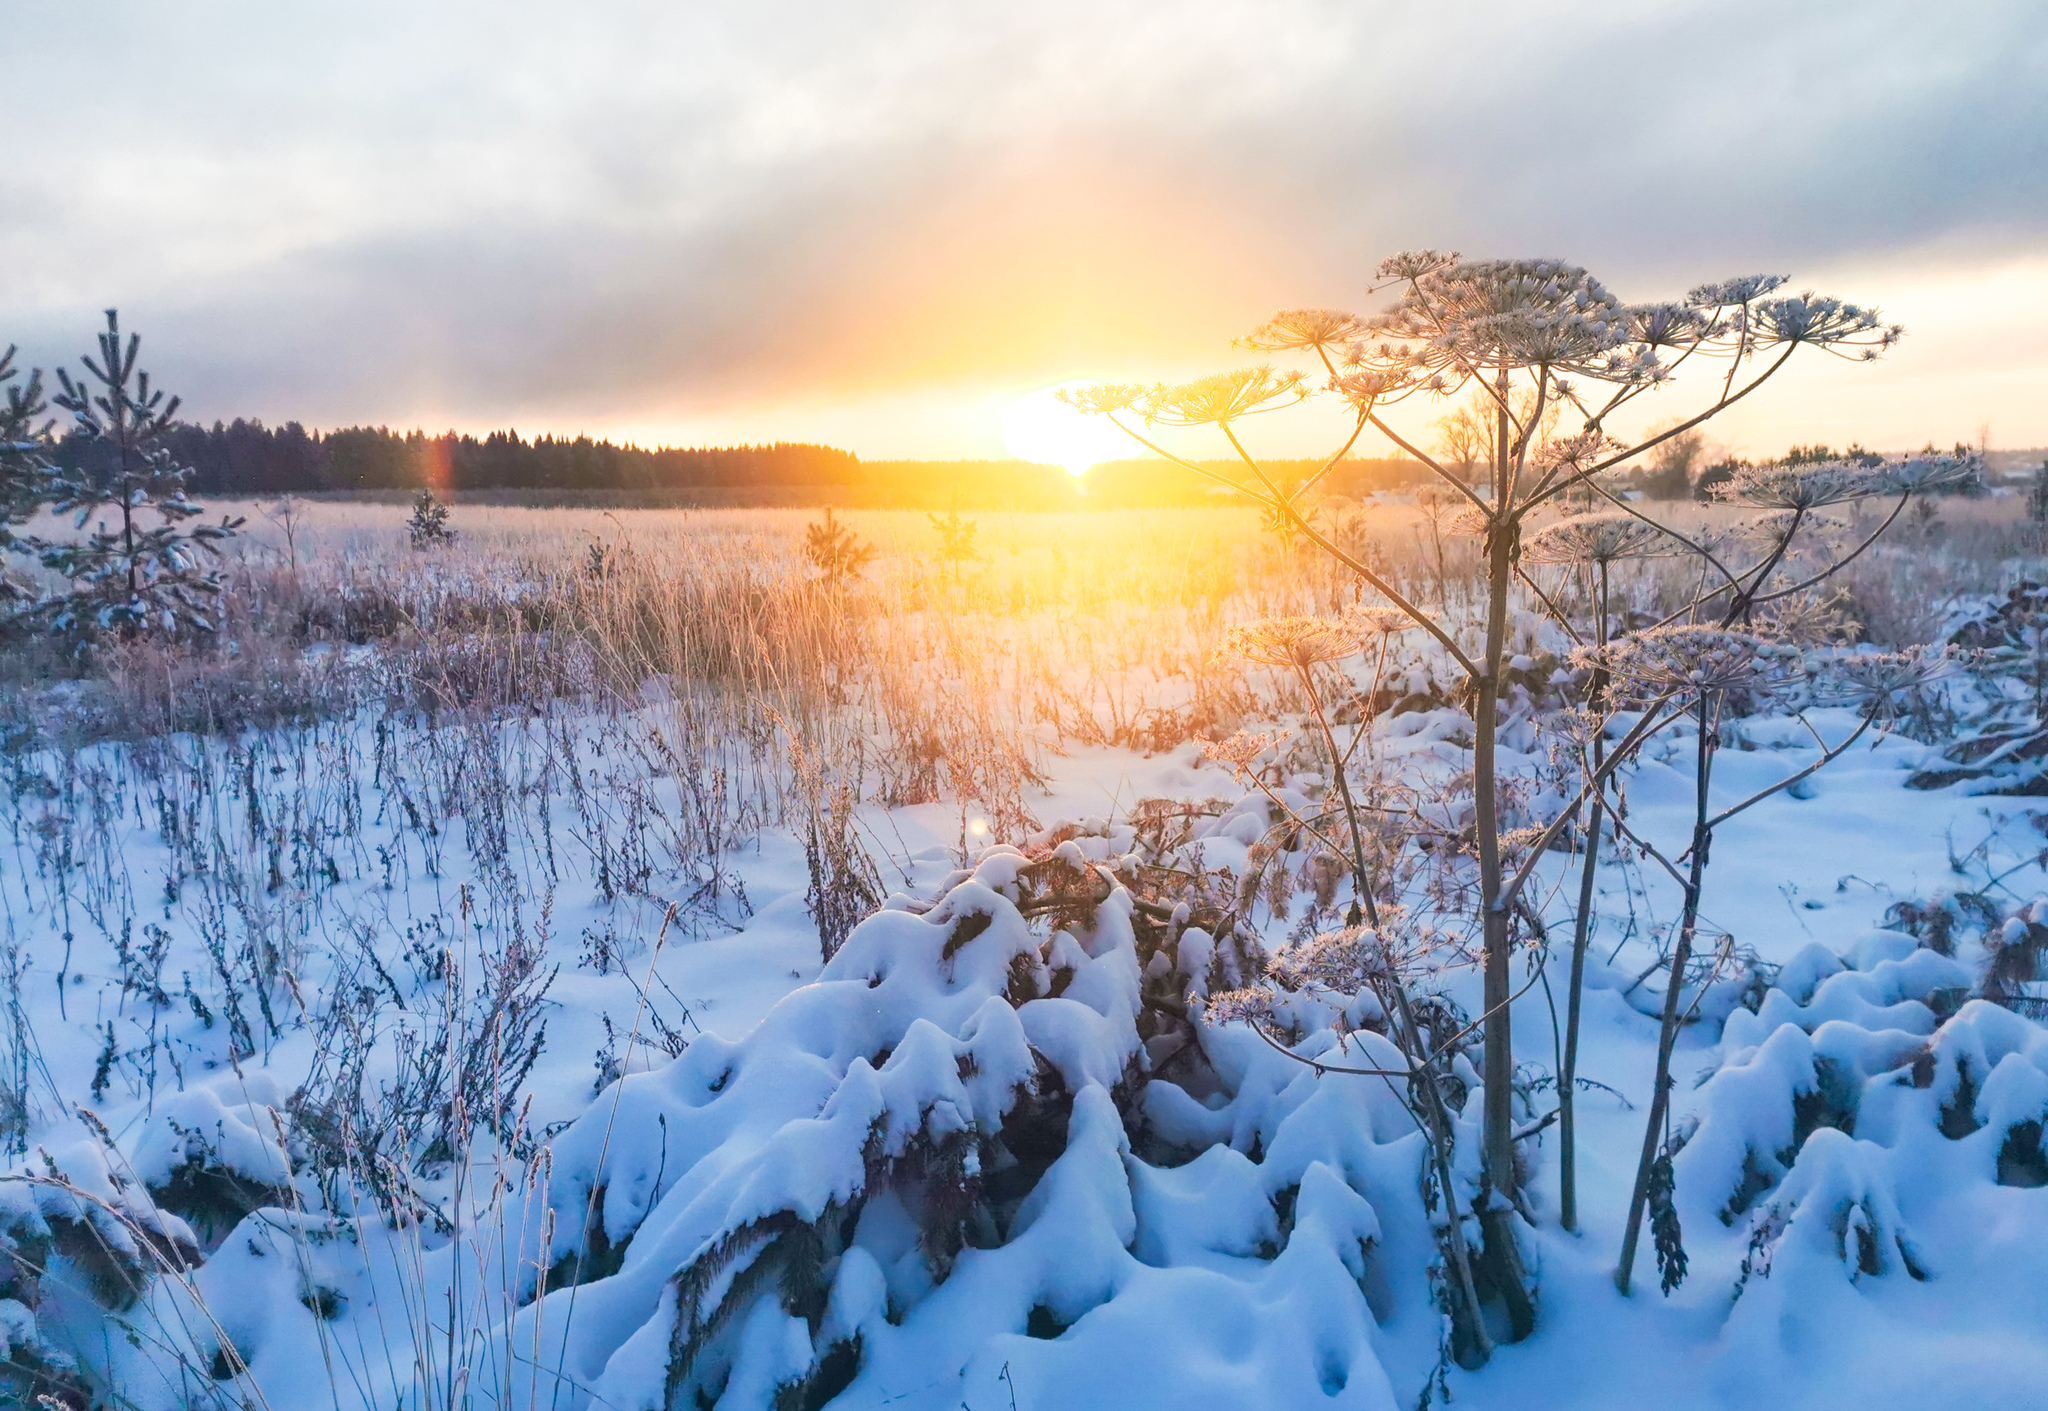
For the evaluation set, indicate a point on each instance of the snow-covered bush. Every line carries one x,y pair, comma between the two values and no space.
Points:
1840,1108
215,1153
955,1145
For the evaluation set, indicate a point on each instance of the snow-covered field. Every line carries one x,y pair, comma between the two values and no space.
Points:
315,1037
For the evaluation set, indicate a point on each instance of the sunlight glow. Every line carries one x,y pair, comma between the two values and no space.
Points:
1041,428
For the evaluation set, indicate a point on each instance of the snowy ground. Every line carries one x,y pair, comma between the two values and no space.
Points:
1286,1265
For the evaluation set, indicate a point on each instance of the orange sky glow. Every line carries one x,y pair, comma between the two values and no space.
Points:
1974,361
879,226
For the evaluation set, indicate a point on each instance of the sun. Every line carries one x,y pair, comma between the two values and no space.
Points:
1041,428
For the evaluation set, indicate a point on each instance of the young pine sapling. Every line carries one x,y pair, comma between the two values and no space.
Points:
126,576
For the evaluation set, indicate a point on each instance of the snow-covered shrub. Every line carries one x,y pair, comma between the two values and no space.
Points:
1945,918
1999,705
216,1152
83,1250
1802,1061
957,1143
1843,1104
1836,1213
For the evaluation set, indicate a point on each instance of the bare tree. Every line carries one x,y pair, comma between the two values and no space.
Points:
1672,466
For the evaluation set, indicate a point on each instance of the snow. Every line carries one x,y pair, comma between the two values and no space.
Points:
953,1165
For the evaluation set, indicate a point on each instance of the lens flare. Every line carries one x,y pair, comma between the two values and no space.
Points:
1041,428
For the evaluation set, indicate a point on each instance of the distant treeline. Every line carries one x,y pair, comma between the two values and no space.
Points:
249,459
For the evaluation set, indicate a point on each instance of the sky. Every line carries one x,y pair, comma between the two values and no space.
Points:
877,223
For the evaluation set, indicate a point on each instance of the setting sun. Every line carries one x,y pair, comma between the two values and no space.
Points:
1042,428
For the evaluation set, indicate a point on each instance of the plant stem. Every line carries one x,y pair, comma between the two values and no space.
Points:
1667,1034
1582,930
1362,882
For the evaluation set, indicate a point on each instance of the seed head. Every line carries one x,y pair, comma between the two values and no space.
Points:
1289,329
1241,751
1345,961
1456,315
1688,661
1816,320
1874,681
1251,1006
1923,475
1377,621
1574,726
1299,642
1596,538
1224,397
1102,398
1734,293
1800,487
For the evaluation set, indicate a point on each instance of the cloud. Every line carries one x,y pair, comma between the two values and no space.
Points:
657,215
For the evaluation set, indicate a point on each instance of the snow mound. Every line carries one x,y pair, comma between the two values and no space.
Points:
1858,1141
216,1152
1888,987
969,1162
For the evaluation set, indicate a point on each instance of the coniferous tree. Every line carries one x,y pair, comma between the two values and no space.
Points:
127,576
956,540
428,526
25,473
836,551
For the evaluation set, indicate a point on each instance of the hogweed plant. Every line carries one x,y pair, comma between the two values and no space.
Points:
1358,958
1588,547
1556,359
1704,673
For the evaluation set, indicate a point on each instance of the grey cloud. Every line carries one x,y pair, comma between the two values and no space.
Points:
484,210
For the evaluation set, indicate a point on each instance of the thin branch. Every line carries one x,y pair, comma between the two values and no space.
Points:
1536,973
1700,549
1828,756
1453,481
1184,463
1727,400
1322,1067
1745,599
1649,850
1331,463
1557,614
1322,541
1645,726
1841,563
